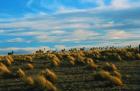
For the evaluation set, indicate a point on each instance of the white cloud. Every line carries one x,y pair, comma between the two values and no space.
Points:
16,40
83,34
119,4
118,34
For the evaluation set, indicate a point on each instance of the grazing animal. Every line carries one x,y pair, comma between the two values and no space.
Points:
11,53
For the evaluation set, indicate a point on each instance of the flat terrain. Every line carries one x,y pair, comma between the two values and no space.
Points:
74,78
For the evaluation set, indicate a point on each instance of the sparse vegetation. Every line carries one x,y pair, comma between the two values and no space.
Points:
72,70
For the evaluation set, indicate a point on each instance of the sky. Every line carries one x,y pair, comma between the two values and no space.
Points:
28,25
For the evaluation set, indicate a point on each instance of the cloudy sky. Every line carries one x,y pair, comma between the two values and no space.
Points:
26,25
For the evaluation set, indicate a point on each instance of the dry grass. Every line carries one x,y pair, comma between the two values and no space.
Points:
89,60
55,61
9,60
21,73
109,67
113,79
116,81
92,66
72,62
104,74
113,66
117,74
51,75
45,84
50,86
28,80
30,66
29,58
4,69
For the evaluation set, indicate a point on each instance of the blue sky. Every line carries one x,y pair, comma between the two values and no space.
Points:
28,25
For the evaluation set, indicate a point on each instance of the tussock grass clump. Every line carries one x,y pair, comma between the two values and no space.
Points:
109,67
29,58
29,80
105,75
4,69
80,59
9,60
71,59
50,86
89,60
113,66
21,73
49,74
92,66
1,57
117,74
45,84
116,81
54,60
30,66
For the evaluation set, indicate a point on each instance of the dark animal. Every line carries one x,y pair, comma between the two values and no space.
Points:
11,53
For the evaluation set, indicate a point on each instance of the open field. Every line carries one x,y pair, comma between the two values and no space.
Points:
73,71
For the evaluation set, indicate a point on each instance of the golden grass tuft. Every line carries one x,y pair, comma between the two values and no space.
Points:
21,73
55,61
4,69
113,66
109,67
80,58
116,81
9,60
30,66
45,84
93,66
104,74
28,80
29,58
51,75
72,62
117,74
89,60
50,86
113,79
